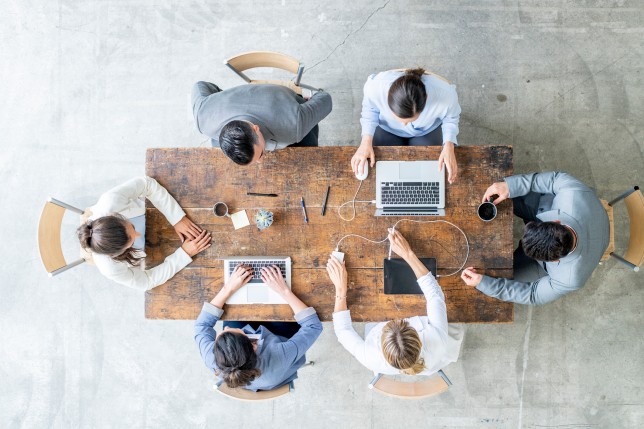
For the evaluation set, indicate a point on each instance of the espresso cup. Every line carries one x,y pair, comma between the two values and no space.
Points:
220,209
486,211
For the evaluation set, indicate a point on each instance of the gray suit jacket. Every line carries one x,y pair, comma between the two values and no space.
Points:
284,117
566,199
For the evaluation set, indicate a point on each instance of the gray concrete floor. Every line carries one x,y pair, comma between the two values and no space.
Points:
87,86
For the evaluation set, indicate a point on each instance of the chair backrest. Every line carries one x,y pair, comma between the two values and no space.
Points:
49,240
428,73
254,59
635,206
248,395
411,390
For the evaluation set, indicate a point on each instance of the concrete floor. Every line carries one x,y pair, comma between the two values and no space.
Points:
87,86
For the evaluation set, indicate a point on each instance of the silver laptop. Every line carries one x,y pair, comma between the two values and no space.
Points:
410,188
256,291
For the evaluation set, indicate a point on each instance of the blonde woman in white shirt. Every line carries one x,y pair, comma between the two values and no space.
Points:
115,234
415,346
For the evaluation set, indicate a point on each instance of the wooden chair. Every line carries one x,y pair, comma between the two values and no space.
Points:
414,390
249,60
248,395
428,73
634,255
49,241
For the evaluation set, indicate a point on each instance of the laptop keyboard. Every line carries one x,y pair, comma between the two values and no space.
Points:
423,193
257,268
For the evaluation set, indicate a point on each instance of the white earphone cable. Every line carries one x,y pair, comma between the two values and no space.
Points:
467,243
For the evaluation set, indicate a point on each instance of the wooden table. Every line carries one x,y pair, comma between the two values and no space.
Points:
199,177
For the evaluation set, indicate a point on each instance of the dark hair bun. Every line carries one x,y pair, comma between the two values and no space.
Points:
417,72
85,235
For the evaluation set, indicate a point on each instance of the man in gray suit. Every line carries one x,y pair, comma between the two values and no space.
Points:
248,120
566,234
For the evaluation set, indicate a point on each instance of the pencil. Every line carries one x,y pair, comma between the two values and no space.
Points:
326,198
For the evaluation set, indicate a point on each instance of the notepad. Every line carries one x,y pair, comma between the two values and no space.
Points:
240,219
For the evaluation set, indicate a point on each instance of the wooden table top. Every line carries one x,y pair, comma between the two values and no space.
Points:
199,177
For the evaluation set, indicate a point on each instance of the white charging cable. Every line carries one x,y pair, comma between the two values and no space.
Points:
467,243
353,205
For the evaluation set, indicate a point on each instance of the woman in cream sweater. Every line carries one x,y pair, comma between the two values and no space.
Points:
115,234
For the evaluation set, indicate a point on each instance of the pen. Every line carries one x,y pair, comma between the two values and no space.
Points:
306,219
257,194
326,198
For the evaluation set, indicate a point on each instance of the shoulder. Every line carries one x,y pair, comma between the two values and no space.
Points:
381,81
437,84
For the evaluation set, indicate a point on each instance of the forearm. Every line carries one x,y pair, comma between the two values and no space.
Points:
293,301
222,296
420,270
340,302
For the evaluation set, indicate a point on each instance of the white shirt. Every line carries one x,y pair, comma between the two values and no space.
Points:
439,349
128,200
441,109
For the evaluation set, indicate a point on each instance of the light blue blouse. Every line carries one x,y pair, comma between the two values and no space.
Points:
441,109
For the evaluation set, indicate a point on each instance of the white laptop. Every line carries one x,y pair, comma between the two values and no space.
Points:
256,291
410,188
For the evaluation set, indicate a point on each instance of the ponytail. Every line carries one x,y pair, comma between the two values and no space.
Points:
107,235
407,95
236,359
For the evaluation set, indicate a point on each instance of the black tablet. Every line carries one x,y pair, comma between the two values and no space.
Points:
400,278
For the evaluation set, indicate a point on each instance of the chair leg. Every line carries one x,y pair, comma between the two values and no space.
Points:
444,377
624,195
65,205
625,262
66,267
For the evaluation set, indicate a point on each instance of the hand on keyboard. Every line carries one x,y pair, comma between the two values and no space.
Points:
239,277
272,276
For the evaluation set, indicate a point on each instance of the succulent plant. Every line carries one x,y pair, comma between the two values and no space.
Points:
263,219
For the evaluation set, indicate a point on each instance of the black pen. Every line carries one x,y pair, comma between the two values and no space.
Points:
257,194
306,218
326,198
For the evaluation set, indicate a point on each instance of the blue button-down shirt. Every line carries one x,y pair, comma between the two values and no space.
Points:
441,109
278,358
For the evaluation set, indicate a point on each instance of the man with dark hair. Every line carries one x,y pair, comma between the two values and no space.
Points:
566,234
248,120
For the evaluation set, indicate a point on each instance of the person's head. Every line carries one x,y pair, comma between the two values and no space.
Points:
242,142
547,241
402,347
111,235
236,358
407,96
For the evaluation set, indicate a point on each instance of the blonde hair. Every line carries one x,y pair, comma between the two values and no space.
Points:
402,347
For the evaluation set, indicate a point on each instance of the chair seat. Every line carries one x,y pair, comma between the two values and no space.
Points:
248,395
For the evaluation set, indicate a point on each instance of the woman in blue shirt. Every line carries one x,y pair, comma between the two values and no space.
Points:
256,358
408,108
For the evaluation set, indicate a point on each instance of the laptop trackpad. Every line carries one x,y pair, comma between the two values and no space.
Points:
257,293
409,170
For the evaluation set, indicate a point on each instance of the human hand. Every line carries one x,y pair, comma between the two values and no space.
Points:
185,229
499,188
448,159
197,244
399,244
471,277
337,272
272,276
364,152
239,277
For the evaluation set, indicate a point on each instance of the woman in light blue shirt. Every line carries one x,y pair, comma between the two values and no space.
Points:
261,358
408,108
